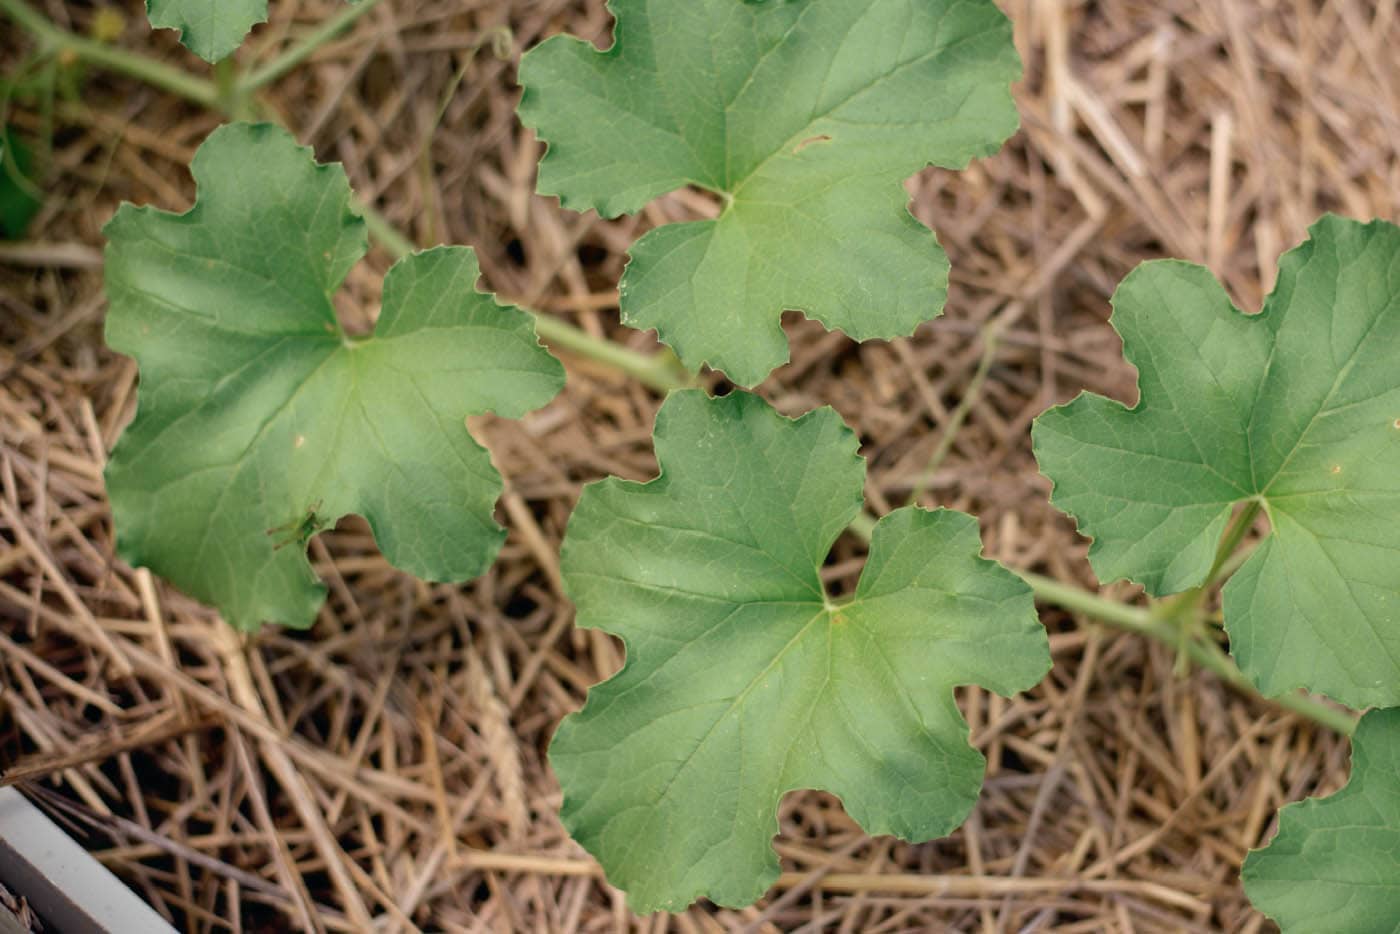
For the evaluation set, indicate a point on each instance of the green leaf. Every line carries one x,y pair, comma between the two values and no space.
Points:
211,29
744,680
260,422
805,117
19,200
1297,408
1334,866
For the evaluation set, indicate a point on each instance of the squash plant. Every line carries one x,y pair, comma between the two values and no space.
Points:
744,677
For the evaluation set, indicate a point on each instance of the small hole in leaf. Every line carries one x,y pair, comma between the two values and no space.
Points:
516,251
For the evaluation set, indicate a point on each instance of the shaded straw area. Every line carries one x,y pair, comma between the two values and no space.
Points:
387,770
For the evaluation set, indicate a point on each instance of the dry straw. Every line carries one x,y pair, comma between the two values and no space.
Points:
390,766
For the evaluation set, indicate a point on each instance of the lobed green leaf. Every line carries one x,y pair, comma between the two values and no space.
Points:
260,421
1297,408
211,29
805,117
744,680
1334,866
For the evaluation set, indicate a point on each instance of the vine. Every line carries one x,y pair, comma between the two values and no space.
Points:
718,557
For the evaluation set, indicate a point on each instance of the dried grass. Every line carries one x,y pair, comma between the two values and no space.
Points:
388,769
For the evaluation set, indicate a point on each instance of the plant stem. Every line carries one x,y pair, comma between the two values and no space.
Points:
863,527
1232,564
386,234
232,100
1223,566
301,51
661,371
1213,658
1204,652
1113,612
152,72
1185,608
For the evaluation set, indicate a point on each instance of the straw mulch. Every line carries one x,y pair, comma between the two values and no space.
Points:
387,770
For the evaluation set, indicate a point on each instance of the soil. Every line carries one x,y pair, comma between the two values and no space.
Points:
389,765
